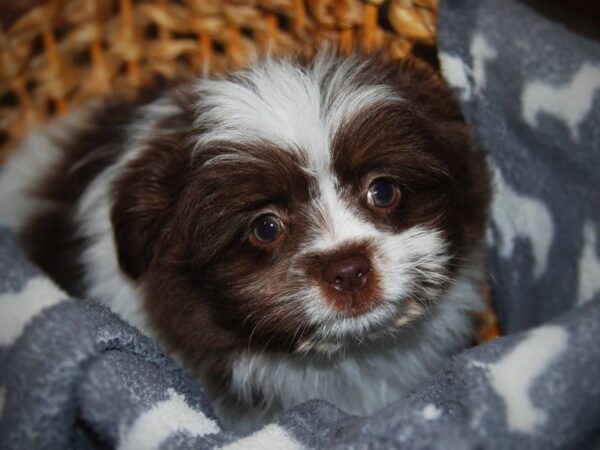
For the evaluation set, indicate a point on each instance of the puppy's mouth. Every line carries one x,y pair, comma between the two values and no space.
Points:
359,324
350,305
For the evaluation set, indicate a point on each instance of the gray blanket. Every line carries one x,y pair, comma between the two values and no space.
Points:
73,375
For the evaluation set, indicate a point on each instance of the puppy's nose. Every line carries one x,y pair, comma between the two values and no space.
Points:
348,275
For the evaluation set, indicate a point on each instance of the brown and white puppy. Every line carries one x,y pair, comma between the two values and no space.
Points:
295,230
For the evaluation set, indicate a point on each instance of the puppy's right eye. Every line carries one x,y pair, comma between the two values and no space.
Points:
383,195
267,230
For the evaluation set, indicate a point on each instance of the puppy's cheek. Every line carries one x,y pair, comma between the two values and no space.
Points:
312,305
268,309
414,262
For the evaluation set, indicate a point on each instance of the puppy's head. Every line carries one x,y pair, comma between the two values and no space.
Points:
293,207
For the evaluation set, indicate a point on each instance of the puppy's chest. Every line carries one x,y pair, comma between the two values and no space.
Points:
357,383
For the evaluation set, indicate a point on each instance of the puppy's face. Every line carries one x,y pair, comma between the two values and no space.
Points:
299,207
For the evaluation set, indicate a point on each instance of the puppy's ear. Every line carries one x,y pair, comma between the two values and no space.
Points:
426,88
145,197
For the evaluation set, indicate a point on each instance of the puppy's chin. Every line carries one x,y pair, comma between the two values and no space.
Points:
381,321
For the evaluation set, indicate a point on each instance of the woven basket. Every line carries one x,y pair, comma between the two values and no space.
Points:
56,53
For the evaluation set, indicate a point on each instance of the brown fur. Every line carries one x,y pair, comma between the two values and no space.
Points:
51,238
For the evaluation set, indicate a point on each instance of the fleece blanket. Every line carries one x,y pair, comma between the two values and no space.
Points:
73,375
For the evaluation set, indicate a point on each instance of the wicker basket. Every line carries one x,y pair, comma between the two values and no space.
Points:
56,53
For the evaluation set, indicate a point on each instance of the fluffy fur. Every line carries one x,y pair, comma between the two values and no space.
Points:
148,207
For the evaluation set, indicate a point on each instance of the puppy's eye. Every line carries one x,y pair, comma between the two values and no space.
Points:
383,194
267,229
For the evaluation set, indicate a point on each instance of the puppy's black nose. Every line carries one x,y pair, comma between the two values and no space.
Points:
348,275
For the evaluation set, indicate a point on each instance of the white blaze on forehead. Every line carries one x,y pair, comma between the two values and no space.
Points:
295,107
338,223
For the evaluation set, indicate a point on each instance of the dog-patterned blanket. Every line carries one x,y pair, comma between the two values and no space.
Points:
73,375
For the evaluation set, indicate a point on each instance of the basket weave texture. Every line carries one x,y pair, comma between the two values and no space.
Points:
56,53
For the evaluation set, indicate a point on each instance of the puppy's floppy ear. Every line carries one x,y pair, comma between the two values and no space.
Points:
145,196
427,89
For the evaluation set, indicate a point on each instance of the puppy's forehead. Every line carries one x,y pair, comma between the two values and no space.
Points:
295,107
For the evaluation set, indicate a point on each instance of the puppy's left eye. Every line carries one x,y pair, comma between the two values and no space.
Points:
383,194
267,230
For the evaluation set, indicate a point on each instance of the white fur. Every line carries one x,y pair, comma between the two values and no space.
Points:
283,103
341,224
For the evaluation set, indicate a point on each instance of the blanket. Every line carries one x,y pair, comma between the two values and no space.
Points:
73,375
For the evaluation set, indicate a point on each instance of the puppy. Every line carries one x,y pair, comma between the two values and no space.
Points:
295,230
